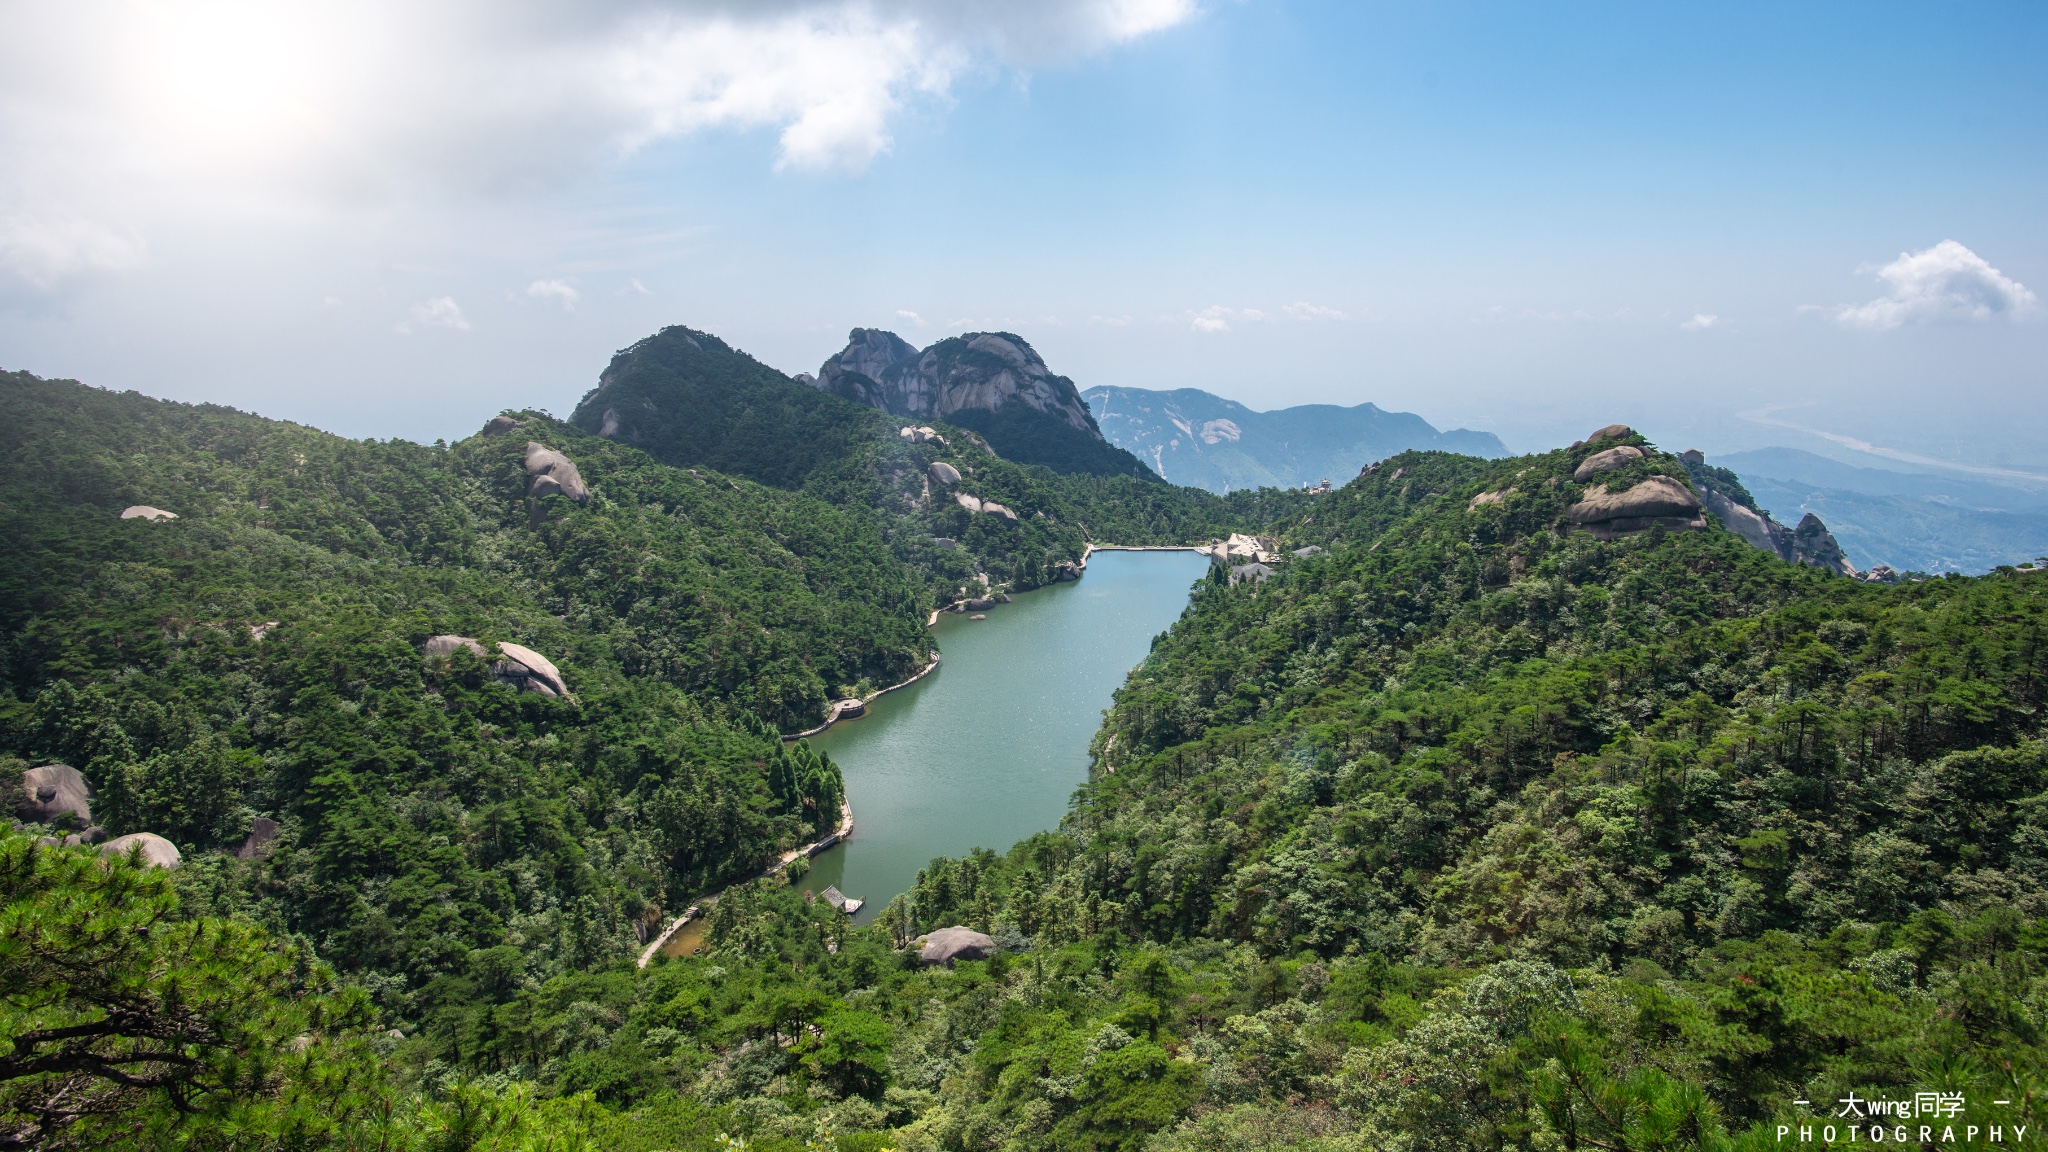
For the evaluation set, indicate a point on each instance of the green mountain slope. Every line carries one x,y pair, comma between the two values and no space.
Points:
262,655
687,399
693,400
1471,831
1765,818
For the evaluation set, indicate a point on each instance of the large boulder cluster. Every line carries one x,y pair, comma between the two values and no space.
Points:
519,666
948,945
977,504
56,796
552,474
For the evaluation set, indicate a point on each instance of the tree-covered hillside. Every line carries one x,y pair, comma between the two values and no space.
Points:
1740,832
687,399
1473,830
262,655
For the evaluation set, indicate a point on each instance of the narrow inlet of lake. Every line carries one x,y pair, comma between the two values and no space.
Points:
987,750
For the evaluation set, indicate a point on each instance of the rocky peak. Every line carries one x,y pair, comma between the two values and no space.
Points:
974,372
1810,543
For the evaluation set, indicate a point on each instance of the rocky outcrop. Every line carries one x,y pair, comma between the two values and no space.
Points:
553,474
922,434
991,385
519,666
976,504
1611,432
948,945
1659,501
867,371
1063,571
1753,526
145,512
257,844
1810,543
1485,498
1607,461
942,474
147,848
445,645
985,371
54,794
499,425
528,670
1813,545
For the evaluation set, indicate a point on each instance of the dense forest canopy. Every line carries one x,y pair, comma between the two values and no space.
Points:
1472,830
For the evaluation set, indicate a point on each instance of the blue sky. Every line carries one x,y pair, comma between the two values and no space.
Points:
1528,219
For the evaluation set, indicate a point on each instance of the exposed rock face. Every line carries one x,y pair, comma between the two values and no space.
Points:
52,792
1607,461
1611,432
942,474
1753,526
1065,570
862,369
1810,543
956,943
445,645
553,474
154,850
257,845
530,670
1659,500
519,666
1815,546
499,425
971,503
145,512
922,434
1499,497
980,370
999,511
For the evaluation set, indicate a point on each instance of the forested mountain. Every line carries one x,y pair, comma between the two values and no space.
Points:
1194,437
1532,813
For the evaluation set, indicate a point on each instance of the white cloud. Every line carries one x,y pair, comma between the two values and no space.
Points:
1700,322
1303,310
1945,282
637,288
907,314
44,247
439,312
560,290
135,111
1219,318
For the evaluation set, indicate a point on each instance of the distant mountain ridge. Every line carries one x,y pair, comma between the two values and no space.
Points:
1197,438
993,383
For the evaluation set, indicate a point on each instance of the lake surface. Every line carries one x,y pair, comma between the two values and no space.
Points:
988,749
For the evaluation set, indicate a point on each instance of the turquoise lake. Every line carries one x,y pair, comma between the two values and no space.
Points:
988,749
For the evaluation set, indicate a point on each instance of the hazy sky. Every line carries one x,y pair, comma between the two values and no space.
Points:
1723,223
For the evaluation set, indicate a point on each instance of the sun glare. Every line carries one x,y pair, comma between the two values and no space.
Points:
233,80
